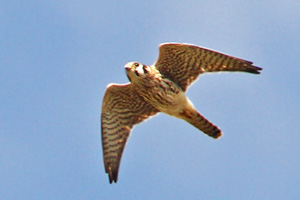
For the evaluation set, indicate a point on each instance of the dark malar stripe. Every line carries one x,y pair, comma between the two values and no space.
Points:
145,70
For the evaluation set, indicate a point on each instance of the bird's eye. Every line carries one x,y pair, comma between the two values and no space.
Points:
136,64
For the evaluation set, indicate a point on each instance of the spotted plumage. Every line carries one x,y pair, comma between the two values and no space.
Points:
159,88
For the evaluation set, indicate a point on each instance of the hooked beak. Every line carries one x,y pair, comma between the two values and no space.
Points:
127,68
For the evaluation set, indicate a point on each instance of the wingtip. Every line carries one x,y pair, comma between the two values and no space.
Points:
259,69
112,180
254,70
113,176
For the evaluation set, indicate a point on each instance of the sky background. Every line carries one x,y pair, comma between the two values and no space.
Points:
57,57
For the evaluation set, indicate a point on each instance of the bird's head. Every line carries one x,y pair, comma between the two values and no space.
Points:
135,71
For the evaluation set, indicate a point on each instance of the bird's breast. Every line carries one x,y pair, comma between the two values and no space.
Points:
164,95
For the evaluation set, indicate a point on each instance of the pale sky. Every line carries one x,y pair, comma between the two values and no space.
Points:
57,57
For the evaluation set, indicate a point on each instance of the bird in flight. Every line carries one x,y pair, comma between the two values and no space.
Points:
158,88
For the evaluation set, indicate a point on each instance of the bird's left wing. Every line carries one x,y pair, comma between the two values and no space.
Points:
122,108
183,63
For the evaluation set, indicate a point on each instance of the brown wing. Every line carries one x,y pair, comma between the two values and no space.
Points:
183,63
122,108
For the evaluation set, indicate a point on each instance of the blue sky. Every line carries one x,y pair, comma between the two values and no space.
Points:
56,58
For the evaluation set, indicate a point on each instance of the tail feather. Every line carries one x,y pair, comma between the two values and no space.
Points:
201,123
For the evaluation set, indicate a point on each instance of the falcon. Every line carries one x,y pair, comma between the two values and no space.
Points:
158,88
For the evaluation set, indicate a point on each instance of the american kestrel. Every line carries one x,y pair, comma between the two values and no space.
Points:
159,88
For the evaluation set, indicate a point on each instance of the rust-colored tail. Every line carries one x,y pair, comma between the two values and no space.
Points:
201,123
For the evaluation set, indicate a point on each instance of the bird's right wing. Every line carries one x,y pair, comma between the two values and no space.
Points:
122,108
